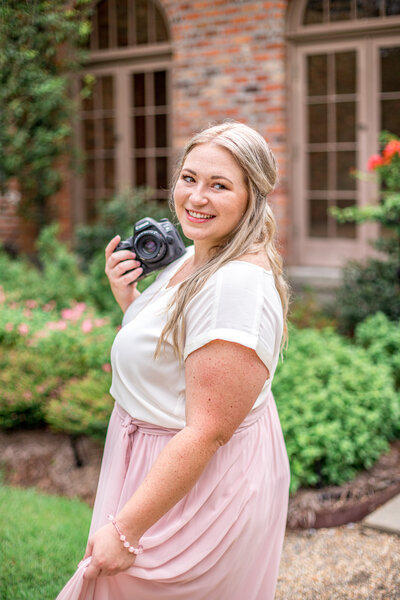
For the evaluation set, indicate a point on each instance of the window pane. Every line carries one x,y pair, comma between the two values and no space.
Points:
318,218
392,7
90,176
139,95
368,9
345,72
161,131
345,164
108,133
318,123
109,173
108,96
160,88
314,12
339,10
141,173
142,26
140,132
346,122
122,23
317,75
390,115
161,29
345,230
161,172
102,22
88,134
318,170
390,69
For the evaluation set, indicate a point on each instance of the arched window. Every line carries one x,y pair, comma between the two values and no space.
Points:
125,123
345,88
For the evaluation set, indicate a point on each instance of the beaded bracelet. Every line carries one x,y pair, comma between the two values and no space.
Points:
123,539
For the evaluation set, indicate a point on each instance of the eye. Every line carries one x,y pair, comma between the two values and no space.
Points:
187,178
219,186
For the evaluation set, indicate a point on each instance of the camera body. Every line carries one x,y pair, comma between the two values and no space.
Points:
155,243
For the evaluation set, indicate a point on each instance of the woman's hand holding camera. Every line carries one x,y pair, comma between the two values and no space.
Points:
122,271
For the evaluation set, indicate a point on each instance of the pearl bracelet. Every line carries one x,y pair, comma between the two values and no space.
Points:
123,539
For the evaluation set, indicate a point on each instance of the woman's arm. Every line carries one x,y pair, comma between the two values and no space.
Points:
223,380
122,271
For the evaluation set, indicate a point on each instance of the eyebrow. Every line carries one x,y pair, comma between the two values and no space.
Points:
212,176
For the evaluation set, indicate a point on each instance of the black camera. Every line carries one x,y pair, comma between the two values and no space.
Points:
155,243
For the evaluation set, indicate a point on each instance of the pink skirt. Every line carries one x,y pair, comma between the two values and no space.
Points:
222,541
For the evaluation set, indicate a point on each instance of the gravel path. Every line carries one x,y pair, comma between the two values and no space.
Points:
348,562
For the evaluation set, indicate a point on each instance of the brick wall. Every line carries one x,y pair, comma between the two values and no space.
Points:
229,62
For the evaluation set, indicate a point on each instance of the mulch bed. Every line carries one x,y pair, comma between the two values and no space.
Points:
55,464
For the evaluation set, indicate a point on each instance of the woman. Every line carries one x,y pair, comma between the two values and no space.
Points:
195,469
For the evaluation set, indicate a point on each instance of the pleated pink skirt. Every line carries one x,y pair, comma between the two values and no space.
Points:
222,541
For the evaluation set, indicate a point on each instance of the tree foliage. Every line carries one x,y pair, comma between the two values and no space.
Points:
41,45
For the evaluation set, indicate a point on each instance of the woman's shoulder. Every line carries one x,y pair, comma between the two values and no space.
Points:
259,259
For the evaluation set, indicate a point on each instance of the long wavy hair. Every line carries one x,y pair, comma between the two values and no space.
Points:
255,231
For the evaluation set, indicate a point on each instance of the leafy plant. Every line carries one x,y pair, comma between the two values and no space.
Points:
375,285
83,406
381,338
338,410
366,289
41,44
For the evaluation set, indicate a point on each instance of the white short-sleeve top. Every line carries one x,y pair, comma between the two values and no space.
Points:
239,303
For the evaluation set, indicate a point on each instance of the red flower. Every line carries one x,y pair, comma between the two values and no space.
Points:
375,161
391,149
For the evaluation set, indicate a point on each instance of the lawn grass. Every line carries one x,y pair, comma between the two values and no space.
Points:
42,539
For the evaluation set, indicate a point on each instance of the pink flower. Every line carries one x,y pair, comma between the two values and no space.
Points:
106,368
9,327
31,304
391,148
27,395
87,326
100,322
23,329
49,306
57,325
374,161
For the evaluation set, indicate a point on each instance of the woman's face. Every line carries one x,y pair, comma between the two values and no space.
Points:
210,195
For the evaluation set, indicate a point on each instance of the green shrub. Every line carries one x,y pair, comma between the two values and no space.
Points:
338,410
365,290
381,338
26,384
58,280
83,406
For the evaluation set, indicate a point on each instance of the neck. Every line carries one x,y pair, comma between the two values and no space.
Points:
202,254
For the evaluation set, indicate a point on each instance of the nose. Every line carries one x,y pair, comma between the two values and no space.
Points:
198,195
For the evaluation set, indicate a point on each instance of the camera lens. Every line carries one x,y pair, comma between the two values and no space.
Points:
150,246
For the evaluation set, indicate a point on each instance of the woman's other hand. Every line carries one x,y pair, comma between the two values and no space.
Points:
109,556
122,271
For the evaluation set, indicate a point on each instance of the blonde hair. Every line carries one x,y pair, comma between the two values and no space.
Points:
255,230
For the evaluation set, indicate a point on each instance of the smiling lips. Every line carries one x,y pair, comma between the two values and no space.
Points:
198,217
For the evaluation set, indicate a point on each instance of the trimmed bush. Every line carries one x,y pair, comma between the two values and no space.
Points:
83,406
338,410
25,386
381,338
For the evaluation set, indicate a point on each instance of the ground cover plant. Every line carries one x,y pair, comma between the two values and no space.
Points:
37,560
